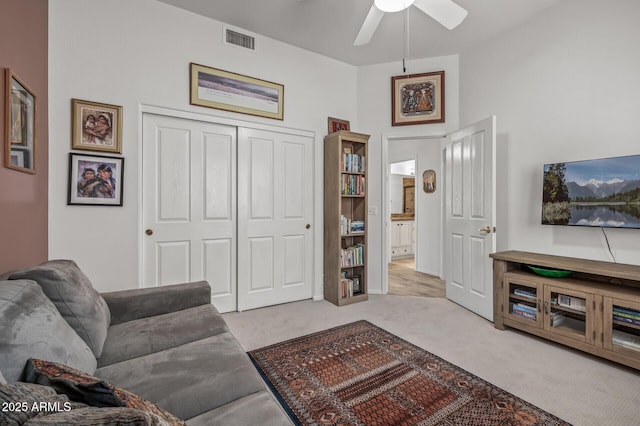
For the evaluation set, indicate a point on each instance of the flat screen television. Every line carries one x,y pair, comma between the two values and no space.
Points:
603,193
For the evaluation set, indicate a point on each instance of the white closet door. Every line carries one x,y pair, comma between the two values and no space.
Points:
189,205
275,202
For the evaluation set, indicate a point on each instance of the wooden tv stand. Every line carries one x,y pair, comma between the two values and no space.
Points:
596,309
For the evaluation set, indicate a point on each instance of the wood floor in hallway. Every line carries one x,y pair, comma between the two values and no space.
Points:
404,280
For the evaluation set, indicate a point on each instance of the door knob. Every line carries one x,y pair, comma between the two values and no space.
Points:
149,232
308,226
486,229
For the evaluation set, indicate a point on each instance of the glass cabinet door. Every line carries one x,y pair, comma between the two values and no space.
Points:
523,301
570,313
622,326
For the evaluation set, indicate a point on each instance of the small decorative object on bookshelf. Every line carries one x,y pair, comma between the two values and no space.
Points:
345,217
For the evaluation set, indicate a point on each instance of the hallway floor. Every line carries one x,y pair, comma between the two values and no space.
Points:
404,280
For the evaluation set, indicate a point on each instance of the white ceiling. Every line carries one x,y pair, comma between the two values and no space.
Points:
329,27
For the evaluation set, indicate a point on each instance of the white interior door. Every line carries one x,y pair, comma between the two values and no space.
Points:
470,216
275,202
189,205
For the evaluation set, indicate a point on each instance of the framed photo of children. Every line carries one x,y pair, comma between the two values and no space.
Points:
417,99
96,126
95,180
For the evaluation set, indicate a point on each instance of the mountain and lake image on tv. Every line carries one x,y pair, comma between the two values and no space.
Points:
603,193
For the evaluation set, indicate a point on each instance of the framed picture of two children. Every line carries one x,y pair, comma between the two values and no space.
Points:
96,126
95,179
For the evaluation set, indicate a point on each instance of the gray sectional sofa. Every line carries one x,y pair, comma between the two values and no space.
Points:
168,345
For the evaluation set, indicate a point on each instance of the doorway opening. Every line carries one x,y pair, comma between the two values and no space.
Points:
412,241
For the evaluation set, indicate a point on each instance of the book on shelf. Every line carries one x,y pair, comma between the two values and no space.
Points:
627,313
349,286
353,185
346,287
352,256
557,318
627,340
348,226
525,293
524,308
357,227
525,315
625,319
575,303
345,225
352,163
523,311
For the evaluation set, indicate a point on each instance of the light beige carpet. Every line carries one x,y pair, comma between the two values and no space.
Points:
576,387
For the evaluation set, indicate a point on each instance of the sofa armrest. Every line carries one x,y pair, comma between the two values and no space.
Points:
128,305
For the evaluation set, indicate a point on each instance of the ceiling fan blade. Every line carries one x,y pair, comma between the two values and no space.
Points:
446,12
369,26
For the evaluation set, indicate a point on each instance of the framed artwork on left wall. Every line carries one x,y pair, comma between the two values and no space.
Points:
20,125
95,180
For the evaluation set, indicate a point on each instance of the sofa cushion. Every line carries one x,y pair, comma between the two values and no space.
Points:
21,401
136,303
99,416
145,336
190,379
90,390
72,293
32,327
256,409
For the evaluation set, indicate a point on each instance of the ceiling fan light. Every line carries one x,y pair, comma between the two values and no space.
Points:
393,5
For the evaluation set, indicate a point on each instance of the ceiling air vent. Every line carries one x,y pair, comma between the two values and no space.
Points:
239,39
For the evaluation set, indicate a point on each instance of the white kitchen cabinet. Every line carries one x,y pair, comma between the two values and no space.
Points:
402,239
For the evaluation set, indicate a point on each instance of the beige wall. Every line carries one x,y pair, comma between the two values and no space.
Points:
23,196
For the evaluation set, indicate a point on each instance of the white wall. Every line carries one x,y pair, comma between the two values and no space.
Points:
374,118
135,53
564,87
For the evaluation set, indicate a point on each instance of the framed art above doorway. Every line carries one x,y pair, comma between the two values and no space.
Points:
417,99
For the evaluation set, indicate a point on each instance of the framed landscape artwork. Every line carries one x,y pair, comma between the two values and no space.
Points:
417,99
20,125
215,88
95,180
96,126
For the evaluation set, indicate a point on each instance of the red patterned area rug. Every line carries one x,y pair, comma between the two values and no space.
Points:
359,374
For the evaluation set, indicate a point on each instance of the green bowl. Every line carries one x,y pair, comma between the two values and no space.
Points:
547,272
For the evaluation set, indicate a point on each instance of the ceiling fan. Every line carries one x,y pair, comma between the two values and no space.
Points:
445,12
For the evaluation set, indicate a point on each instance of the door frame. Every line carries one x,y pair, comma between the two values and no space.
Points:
214,119
386,214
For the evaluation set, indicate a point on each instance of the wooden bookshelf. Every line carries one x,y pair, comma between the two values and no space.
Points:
345,217
596,309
